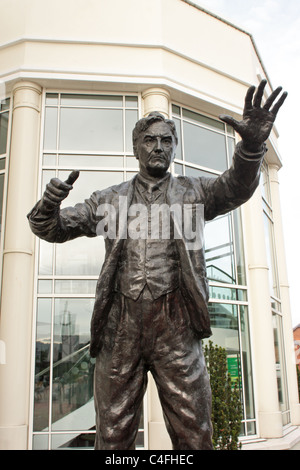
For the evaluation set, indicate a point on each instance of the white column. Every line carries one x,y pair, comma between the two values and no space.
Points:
18,268
156,99
262,340
284,297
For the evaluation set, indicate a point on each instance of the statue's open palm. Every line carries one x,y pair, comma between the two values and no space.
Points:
258,120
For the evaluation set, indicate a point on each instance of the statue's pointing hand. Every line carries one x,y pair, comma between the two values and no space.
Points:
258,120
56,190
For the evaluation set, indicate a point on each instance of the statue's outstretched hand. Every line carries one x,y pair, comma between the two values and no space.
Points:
258,120
56,190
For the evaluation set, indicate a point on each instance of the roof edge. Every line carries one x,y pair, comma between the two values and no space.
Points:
214,15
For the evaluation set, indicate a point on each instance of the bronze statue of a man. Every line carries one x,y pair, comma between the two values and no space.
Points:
150,311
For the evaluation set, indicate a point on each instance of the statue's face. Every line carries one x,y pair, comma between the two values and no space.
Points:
155,149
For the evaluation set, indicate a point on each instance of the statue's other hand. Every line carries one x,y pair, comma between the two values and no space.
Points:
56,190
258,120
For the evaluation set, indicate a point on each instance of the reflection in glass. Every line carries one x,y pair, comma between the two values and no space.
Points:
87,183
219,250
179,145
131,101
280,367
189,171
73,440
102,161
91,129
247,364
204,147
70,99
45,257
270,249
44,287
224,316
201,119
50,136
74,286
42,365
3,132
52,99
131,117
80,257
239,247
72,390
40,441
1,198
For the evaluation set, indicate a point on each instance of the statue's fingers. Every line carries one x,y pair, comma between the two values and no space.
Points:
229,120
279,103
72,177
259,94
272,98
248,98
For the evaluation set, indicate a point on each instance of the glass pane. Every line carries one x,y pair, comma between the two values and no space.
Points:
247,363
197,173
73,368
91,100
265,184
74,286
132,162
131,101
104,161
131,117
80,257
52,98
42,365
178,153
178,169
1,199
199,118
4,104
222,293
175,109
204,147
87,183
272,271
224,316
2,163
231,147
91,129
3,132
49,160
50,137
239,247
40,442
45,287
280,363
45,257
219,250
70,441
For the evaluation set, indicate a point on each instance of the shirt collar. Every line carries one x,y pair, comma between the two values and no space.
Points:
146,185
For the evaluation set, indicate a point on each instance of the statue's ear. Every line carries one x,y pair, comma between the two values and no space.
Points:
135,152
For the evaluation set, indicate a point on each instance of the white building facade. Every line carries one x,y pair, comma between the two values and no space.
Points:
75,77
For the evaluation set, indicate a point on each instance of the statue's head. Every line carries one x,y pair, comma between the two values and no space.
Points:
154,143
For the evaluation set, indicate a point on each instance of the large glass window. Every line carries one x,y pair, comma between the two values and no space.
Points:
91,133
274,295
205,148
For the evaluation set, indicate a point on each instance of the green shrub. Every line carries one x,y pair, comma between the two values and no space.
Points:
226,403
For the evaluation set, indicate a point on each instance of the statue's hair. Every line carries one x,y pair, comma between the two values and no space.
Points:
143,124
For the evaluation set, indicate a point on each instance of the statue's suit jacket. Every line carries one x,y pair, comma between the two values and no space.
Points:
218,196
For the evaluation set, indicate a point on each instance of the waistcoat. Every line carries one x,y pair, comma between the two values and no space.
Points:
149,259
